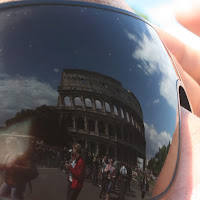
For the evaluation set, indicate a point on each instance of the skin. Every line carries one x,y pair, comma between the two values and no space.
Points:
186,184
187,180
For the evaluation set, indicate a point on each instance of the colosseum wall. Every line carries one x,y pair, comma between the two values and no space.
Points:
101,115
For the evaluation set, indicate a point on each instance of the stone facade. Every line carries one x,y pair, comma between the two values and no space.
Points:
101,115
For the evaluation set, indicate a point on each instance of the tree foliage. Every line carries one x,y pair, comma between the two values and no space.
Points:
142,15
156,163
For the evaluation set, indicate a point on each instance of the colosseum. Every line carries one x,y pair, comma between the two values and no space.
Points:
101,115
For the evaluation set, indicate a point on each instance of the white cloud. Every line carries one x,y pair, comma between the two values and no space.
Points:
155,140
17,93
56,70
166,88
152,61
156,101
131,36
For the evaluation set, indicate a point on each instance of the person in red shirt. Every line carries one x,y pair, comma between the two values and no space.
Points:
76,173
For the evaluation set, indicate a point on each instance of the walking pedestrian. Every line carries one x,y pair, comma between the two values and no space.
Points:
144,186
103,175
124,181
76,173
110,175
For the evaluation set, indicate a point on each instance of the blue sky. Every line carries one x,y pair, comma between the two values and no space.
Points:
143,5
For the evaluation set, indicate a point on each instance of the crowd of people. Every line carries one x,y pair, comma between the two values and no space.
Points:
110,174
104,172
51,156
78,163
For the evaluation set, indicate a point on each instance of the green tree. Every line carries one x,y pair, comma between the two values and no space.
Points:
141,14
156,163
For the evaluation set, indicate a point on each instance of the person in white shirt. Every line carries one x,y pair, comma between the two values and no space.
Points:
124,181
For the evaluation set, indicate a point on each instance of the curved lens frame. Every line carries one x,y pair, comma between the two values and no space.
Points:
92,74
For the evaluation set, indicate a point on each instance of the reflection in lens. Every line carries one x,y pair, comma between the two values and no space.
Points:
104,102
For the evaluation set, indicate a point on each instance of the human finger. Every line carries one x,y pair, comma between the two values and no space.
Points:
187,57
187,13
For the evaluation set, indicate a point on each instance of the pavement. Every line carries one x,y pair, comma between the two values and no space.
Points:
52,183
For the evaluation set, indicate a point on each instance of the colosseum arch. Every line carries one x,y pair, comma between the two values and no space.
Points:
91,125
102,150
67,101
78,101
125,131
80,123
69,121
111,131
101,128
98,105
130,136
136,125
133,123
139,128
119,131
115,110
127,117
122,113
107,107
88,103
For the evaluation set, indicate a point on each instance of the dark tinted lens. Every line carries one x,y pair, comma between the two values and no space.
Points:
73,74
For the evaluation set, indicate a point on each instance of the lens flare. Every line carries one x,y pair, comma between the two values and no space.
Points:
14,142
